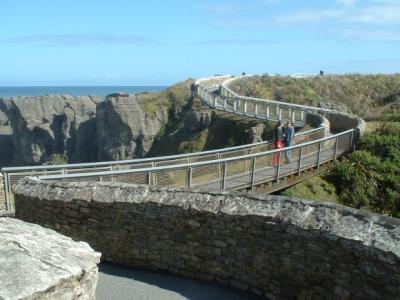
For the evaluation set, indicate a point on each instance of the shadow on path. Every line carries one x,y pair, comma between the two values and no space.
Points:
121,283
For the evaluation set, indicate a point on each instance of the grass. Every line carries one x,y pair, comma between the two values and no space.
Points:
57,159
316,188
174,97
152,102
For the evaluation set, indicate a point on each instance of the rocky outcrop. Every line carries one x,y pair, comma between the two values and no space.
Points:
196,119
38,263
48,125
124,129
2,194
254,134
6,143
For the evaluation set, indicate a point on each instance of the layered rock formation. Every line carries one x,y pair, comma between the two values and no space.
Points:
38,263
2,194
6,144
124,129
63,129
48,125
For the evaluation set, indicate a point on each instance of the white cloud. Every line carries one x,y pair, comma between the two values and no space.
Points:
72,40
219,8
371,35
311,16
377,14
381,12
347,2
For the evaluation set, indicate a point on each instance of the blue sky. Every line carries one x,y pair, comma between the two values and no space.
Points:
119,42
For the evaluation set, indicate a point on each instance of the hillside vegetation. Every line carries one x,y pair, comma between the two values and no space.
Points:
368,178
368,96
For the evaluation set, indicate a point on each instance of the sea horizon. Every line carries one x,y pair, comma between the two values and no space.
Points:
75,90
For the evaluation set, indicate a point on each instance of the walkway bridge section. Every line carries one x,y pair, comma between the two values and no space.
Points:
236,168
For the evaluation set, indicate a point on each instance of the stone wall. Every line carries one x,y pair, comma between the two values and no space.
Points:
318,120
2,194
39,263
280,247
342,121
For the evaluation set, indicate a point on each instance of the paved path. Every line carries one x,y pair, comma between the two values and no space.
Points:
122,283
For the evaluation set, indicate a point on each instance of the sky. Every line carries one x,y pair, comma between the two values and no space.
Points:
121,42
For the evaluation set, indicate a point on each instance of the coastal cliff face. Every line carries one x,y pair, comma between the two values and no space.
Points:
47,127
124,129
6,144
60,129
63,129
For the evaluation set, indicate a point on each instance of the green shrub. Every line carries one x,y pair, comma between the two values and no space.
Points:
369,177
356,179
58,159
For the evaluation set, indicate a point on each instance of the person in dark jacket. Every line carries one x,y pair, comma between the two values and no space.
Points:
278,142
288,138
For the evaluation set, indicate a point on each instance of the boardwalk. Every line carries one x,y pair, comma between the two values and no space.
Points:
235,168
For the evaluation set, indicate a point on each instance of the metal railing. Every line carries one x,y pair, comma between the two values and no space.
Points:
237,172
230,168
13,174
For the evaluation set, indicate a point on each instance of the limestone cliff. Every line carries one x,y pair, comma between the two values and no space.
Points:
50,125
6,144
199,128
60,129
124,129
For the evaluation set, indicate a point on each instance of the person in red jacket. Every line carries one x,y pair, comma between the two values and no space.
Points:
278,141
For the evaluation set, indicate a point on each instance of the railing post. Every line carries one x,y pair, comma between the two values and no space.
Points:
219,166
245,107
277,112
7,192
246,152
154,176
293,116
253,173
319,155
215,102
189,179
299,163
280,114
267,112
234,105
255,109
148,178
278,169
302,115
351,140
224,103
112,176
223,184
336,146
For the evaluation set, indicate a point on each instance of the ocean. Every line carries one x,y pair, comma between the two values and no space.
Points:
101,91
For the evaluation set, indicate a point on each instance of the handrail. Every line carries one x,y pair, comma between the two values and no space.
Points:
192,164
144,160
300,106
